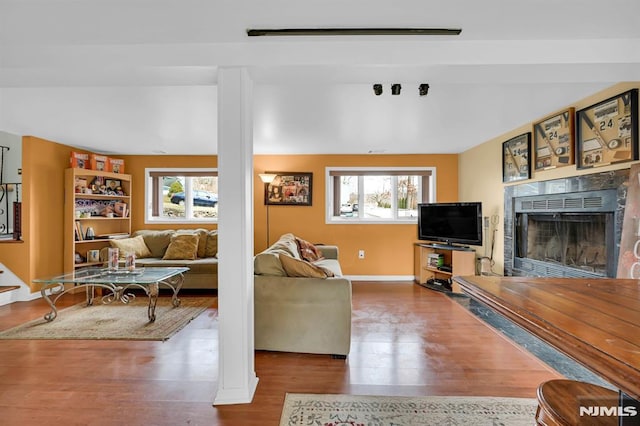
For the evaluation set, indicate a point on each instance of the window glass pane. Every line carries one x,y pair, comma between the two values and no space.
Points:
408,196
205,197
377,197
348,188
173,197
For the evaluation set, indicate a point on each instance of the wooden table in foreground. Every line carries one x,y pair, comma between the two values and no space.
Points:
594,321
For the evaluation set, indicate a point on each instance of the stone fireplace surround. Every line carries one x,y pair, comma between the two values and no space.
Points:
616,180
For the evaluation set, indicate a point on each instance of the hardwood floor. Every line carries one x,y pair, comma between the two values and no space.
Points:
406,340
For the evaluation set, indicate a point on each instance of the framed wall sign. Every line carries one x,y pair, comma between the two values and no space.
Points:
607,132
289,189
516,158
553,141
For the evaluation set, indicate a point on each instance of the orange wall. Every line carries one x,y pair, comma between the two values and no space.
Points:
41,254
388,248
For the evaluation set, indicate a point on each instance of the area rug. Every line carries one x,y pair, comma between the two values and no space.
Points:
360,410
116,321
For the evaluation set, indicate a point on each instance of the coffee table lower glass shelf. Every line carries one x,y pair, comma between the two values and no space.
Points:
116,283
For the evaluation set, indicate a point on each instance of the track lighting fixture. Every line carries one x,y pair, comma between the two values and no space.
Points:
395,89
377,89
423,89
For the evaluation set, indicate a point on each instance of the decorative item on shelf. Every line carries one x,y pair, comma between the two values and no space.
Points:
120,209
79,160
80,185
553,141
113,187
79,258
99,162
607,132
93,255
90,234
116,165
98,186
516,158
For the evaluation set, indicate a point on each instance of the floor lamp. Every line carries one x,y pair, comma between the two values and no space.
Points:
267,178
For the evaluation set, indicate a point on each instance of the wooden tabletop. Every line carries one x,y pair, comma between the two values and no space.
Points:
594,321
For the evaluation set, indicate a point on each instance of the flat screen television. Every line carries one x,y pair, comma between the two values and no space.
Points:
451,223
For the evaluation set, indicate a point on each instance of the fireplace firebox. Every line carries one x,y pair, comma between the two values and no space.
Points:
599,198
566,235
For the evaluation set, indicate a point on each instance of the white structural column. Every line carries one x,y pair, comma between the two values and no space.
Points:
237,378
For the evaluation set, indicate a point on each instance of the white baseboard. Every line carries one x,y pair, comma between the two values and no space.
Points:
21,294
380,277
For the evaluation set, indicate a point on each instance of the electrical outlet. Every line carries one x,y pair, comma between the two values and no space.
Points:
486,222
360,254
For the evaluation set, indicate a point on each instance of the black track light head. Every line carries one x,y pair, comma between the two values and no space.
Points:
395,89
423,89
377,89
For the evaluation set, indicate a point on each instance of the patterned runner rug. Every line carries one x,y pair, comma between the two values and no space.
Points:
116,321
360,410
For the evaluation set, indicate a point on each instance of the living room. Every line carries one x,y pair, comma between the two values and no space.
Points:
470,173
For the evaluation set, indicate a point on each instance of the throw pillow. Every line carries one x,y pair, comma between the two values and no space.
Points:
211,246
202,239
156,240
300,268
182,247
308,251
135,245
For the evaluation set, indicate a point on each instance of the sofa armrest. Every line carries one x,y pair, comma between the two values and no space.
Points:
329,252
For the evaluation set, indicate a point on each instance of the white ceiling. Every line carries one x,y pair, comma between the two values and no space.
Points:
139,76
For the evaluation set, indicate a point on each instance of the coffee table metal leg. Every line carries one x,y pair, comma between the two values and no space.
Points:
56,289
91,294
153,300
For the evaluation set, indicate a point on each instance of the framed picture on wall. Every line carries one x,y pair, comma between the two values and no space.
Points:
553,141
289,189
607,132
516,158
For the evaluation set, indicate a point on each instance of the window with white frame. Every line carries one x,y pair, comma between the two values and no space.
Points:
378,194
181,195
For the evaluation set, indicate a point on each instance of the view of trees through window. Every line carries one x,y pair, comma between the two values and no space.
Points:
378,196
183,195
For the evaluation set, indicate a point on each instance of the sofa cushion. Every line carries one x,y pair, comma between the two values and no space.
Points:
308,251
268,263
197,266
331,266
300,268
128,245
182,246
156,240
211,245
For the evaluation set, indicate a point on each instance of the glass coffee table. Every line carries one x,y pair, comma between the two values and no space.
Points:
115,285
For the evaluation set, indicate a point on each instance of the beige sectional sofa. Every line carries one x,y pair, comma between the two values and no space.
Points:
196,249
301,306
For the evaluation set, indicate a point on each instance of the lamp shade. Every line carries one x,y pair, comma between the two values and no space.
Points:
267,177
